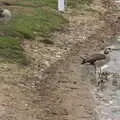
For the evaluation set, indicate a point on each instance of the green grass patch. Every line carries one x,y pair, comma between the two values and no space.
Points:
11,50
77,3
27,23
28,3
31,18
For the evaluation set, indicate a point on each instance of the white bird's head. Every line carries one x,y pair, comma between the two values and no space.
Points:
107,50
1,10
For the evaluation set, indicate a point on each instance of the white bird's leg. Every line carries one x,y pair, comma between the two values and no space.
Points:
100,79
97,74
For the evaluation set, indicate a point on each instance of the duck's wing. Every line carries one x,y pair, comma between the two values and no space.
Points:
93,58
98,57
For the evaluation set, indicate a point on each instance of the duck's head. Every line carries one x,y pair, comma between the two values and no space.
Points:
107,50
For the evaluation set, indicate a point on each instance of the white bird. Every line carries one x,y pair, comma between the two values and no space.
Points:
5,15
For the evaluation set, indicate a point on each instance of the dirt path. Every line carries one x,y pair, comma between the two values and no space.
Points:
61,93
69,96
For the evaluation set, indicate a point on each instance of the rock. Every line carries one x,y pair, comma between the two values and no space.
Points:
47,63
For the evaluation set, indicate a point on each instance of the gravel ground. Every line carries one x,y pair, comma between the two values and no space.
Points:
54,86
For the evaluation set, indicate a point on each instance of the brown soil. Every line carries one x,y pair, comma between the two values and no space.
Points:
54,86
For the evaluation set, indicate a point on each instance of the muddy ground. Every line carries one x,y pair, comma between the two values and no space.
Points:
54,86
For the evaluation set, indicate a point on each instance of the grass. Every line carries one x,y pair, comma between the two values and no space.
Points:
76,3
31,18
11,50
26,24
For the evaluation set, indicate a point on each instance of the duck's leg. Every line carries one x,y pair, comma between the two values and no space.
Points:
96,73
93,63
95,69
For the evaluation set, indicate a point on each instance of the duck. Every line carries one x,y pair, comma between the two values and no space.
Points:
92,59
98,60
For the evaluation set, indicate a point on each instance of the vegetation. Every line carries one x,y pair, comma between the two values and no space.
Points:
30,18
10,49
75,3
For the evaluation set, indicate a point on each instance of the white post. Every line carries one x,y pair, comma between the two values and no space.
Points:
61,5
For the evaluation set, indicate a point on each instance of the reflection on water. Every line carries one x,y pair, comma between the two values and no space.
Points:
108,98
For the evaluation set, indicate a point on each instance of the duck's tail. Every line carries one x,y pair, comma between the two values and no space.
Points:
83,60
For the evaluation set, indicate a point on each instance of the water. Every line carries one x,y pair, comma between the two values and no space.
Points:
117,1
108,96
